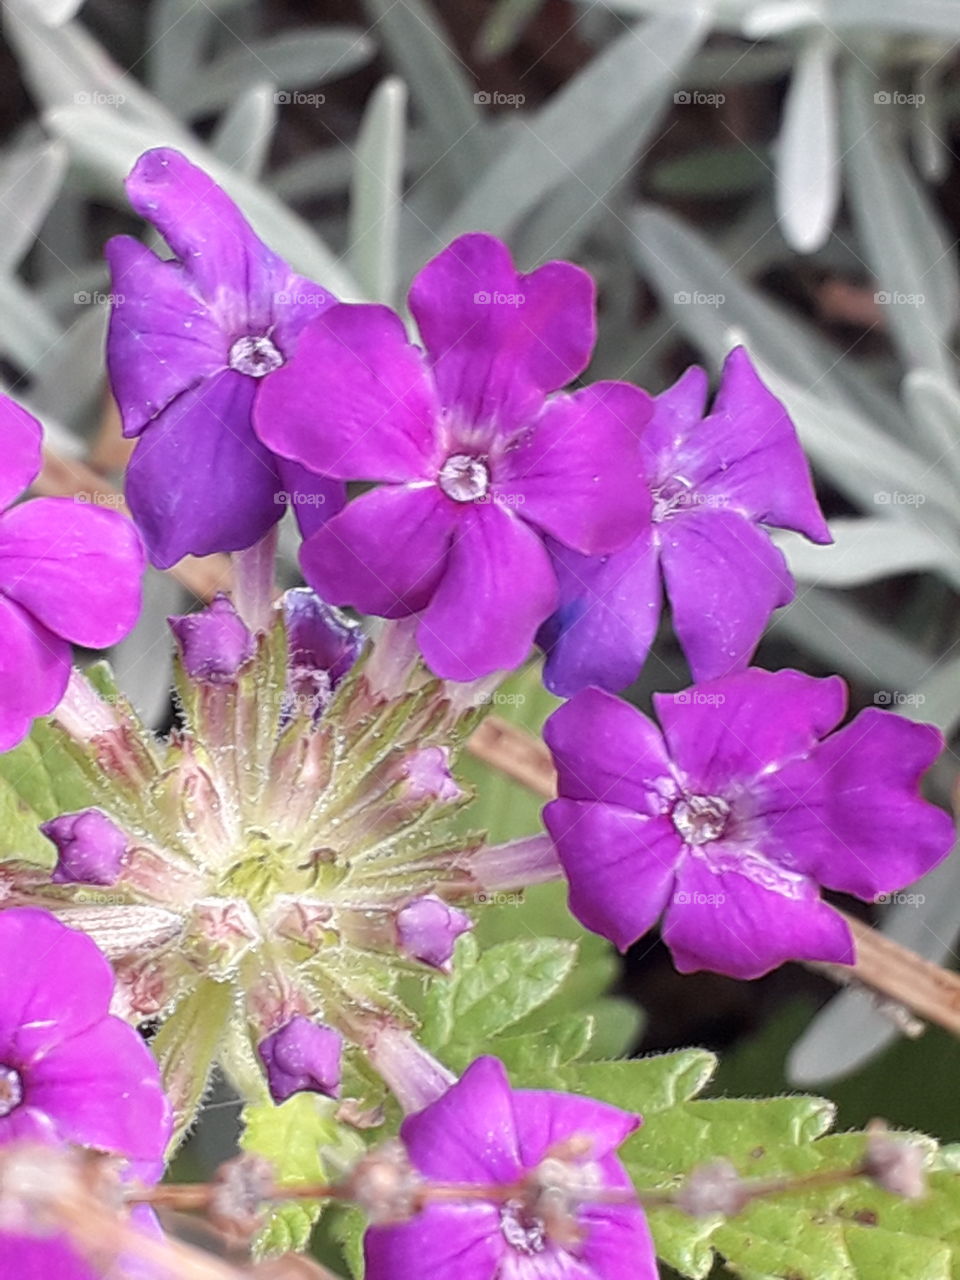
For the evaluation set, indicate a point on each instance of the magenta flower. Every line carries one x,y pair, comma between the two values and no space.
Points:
482,1132
69,574
729,819
712,482
478,461
193,341
69,1071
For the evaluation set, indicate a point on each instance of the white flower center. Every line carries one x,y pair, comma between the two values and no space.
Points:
521,1231
464,479
11,1090
255,356
700,819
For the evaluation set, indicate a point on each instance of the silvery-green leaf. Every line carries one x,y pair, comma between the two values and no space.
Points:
827,625
930,128
375,195
780,17
609,101
243,135
30,178
439,82
871,549
932,400
850,1030
934,17
50,12
503,25
65,67
177,38
907,249
709,301
143,661
69,380
808,167
289,61
108,146
27,332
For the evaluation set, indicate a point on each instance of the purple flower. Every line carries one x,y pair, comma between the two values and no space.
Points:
214,643
69,574
729,818
478,461
713,481
322,643
193,341
302,1055
482,1132
428,929
69,1071
90,848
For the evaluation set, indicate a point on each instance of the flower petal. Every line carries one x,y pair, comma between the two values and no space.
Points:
608,616
746,452
20,440
227,493
578,471
40,1257
314,499
724,577
77,569
749,917
356,401
222,257
735,728
444,1242
42,963
496,590
162,338
383,554
607,750
676,414
499,340
851,813
546,1119
620,865
617,1243
469,1134
34,670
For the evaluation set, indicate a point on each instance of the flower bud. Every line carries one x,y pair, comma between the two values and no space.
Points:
302,1056
426,774
428,929
214,643
89,845
320,639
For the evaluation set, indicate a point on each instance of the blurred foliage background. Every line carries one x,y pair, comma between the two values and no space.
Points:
780,172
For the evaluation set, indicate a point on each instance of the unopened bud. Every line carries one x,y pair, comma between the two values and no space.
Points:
214,643
90,848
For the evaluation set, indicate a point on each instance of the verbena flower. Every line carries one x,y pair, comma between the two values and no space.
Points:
478,461
69,1071
69,574
193,341
713,481
728,819
551,1156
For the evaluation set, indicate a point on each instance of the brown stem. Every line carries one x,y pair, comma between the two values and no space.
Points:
883,966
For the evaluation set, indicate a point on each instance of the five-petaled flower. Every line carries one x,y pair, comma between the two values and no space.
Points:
70,1072
544,1156
193,341
478,461
729,818
70,573
712,481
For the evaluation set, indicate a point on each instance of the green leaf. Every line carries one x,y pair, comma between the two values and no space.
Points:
489,992
186,1047
306,1144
